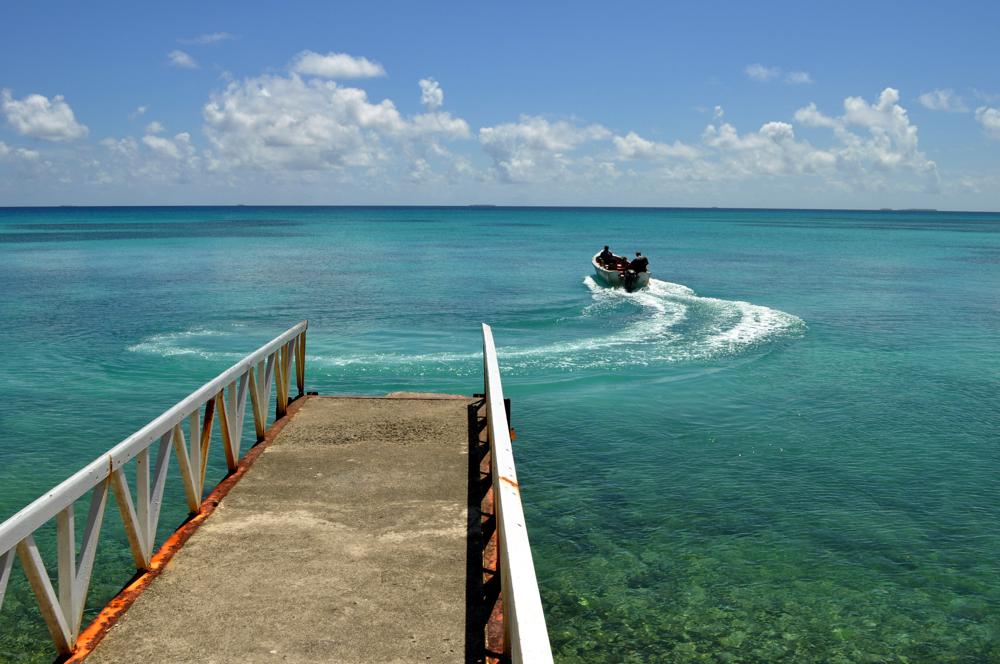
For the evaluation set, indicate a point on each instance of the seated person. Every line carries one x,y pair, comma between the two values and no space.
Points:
606,257
640,264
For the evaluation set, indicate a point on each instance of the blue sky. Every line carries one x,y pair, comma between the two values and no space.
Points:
777,104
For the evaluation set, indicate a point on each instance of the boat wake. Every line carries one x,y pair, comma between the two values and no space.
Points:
662,324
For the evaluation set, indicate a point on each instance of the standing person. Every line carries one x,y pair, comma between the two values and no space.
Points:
640,263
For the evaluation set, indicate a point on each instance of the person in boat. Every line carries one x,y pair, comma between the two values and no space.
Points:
606,258
640,264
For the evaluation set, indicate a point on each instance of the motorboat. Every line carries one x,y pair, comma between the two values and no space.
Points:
619,277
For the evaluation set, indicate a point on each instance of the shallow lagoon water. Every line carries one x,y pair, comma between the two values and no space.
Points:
784,450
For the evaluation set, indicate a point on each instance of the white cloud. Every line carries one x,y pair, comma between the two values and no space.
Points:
771,150
9,153
124,147
535,149
336,65
177,147
990,119
431,94
208,38
893,139
891,143
41,117
759,72
155,127
812,117
718,112
633,146
181,59
943,100
138,112
151,160
286,122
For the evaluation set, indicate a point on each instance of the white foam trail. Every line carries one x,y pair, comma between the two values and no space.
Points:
663,323
166,344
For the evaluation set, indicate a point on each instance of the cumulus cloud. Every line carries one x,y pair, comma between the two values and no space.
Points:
336,65
177,147
798,78
155,127
535,149
889,142
633,146
41,117
943,100
431,94
812,117
208,38
181,59
292,123
771,150
138,112
990,119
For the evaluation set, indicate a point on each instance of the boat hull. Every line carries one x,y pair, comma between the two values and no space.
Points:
614,279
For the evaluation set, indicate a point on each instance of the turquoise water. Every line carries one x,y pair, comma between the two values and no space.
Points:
786,449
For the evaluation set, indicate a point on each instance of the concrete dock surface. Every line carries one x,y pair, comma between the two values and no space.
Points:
346,541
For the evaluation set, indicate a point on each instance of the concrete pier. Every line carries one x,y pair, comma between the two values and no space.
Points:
347,540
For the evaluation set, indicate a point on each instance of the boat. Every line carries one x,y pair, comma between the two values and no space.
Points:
629,280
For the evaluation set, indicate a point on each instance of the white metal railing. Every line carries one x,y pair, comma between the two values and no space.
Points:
223,398
526,638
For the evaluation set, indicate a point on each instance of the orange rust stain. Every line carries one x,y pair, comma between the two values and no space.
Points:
510,482
114,610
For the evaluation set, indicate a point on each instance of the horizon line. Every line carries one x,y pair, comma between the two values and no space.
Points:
483,206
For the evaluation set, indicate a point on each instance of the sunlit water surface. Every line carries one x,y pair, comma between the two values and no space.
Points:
786,449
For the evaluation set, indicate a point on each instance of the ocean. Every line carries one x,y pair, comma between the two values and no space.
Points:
787,449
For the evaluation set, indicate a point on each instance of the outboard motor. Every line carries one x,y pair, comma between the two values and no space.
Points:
630,278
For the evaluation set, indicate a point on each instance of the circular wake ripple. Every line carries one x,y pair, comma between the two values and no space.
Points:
663,323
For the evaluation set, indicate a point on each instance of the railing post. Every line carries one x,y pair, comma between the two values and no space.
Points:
300,364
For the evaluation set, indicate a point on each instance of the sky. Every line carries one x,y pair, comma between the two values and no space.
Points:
770,104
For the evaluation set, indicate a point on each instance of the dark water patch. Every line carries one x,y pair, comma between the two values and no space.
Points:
84,226
980,256
402,221
852,225
162,232
512,224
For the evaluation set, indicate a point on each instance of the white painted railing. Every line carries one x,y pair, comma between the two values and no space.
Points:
526,638
223,398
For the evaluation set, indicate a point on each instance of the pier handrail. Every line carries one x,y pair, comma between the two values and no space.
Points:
526,638
223,398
